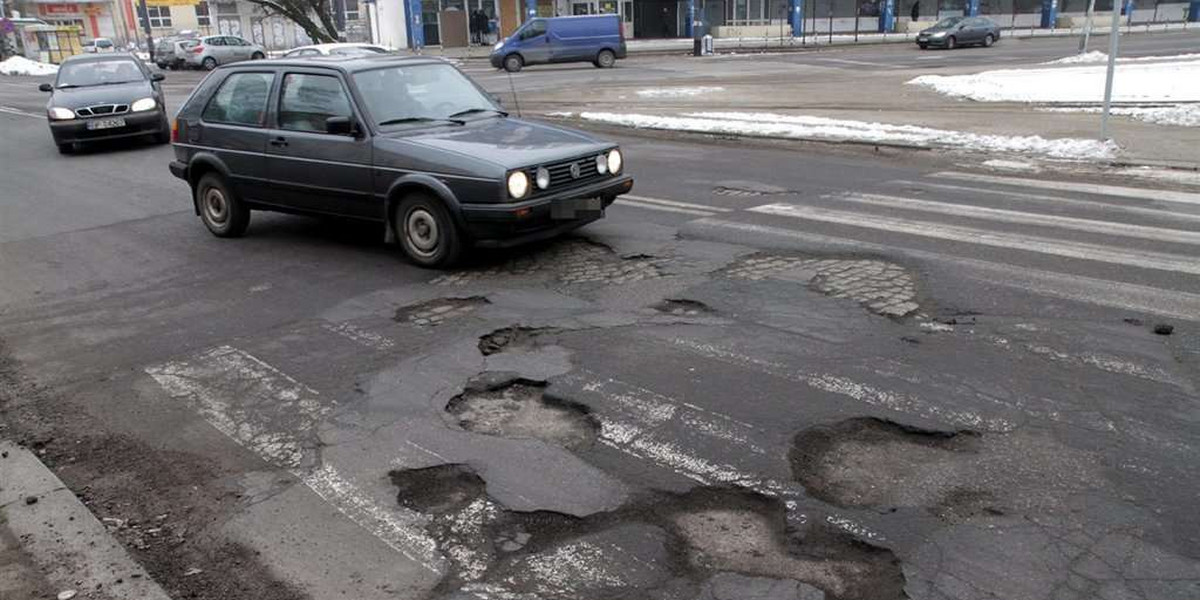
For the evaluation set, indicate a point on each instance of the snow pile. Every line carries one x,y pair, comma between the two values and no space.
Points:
19,65
1177,81
1179,115
678,92
838,130
1012,165
1096,56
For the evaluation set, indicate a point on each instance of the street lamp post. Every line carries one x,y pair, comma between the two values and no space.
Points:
146,25
1114,37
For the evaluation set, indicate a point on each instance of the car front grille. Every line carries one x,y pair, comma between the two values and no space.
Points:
102,110
562,178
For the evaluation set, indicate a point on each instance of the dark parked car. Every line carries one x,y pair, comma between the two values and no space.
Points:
953,32
409,142
105,96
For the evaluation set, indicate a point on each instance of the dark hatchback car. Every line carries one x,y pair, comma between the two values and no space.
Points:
409,142
953,32
105,96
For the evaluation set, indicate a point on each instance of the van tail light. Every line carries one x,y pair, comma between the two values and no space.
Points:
197,49
174,130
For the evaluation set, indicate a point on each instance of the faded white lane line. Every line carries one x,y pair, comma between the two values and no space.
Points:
361,336
985,237
275,416
675,203
670,209
1070,186
8,110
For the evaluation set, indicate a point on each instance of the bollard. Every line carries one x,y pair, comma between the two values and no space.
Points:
708,45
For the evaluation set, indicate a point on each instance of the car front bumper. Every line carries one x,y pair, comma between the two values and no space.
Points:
139,123
512,224
932,41
497,59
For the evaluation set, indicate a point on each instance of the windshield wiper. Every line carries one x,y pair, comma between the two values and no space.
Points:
469,111
67,86
420,120
119,82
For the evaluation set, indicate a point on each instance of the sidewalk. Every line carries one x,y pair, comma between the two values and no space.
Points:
790,44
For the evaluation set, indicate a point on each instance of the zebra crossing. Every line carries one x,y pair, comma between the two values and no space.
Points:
1124,246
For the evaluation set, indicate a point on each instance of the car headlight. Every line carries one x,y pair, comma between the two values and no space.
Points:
143,105
518,184
939,34
542,178
498,46
59,113
601,164
615,161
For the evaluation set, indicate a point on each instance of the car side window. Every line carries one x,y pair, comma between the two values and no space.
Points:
241,100
535,29
307,100
236,41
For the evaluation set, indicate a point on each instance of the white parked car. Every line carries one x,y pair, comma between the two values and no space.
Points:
100,44
337,50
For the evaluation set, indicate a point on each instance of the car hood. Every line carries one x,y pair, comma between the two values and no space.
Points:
124,93
506,142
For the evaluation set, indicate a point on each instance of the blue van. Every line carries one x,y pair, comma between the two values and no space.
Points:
597,39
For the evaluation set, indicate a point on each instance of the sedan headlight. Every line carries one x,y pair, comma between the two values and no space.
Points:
601,164
615,161
143,105
518,184
59,113
542,178
939,34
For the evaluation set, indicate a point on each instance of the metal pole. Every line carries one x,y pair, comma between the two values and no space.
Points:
1114,39
1087,26
146,25
830,22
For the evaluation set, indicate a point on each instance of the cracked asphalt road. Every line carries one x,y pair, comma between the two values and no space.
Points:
657,407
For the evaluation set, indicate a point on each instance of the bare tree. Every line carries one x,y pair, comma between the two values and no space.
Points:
313,16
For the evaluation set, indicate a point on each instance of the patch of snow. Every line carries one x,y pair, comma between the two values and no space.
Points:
1012,165
1177,81
561,114
1096,56
1178,115
19,65
839,130
1172,175
678,92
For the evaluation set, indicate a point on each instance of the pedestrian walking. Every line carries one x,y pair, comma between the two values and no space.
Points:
916,11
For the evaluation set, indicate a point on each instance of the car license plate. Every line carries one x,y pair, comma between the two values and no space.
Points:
576,208
106,123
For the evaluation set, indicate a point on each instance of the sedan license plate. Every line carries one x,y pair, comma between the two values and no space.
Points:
106,123
576,208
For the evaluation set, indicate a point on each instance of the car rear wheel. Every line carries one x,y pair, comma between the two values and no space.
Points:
209,63
223,214
951,43
988,40
257,56
513,63
426,231
606,59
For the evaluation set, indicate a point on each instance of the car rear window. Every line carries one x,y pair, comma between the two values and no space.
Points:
241,100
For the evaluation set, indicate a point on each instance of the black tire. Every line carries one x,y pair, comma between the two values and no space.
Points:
426,232
209,63
513,63
923,46
173,67
257,56
67,148
605,59
221,211
951,43
164,135
988,40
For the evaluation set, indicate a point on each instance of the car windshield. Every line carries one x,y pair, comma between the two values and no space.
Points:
413,93
949,22
99,72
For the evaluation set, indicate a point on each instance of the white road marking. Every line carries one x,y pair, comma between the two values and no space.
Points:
1060,200
675,203
8,110
1079,250
1070,186
670,209
1025,218
844,386
861,62
266,411
1088,290
361,336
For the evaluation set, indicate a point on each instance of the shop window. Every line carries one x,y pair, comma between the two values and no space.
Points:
352,10
160,16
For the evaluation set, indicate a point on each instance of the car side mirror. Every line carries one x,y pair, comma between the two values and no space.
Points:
45,87
157,77
340,126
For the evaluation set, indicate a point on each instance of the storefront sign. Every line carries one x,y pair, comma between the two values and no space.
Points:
59,9
172,2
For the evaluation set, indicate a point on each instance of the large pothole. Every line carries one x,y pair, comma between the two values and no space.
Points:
570,261
511,338
519,408
439,310
701,544
881,287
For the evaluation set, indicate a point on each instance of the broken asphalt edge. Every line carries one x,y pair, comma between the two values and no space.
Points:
71,547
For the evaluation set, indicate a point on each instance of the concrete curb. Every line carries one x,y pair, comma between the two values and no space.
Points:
71,548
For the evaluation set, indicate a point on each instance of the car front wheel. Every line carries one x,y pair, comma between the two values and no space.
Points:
426,231
606,59
513,63
951,43
223,214
257,56
988,40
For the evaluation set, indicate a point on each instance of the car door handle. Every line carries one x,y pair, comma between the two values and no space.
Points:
279,142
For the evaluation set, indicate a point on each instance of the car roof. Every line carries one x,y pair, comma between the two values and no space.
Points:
100,57
346,64
332,46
